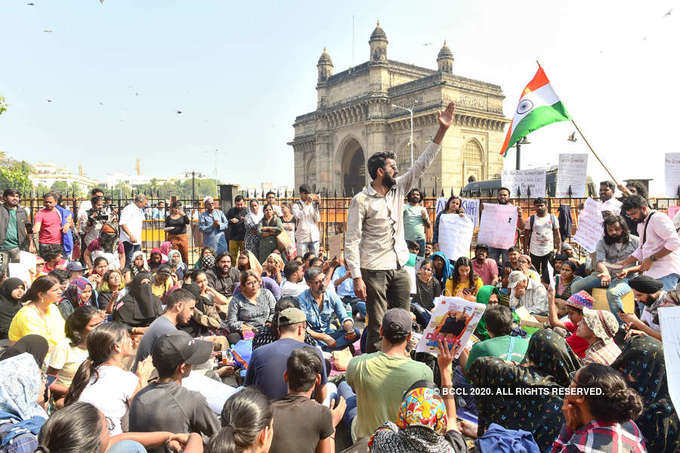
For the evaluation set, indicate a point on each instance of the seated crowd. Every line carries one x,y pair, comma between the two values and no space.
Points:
259,345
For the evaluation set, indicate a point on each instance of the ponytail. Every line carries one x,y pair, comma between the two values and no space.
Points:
101,344
73,429
244,416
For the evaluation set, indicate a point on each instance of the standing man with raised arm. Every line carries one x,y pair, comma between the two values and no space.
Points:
375,248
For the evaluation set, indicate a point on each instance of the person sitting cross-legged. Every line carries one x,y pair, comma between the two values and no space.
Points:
319,306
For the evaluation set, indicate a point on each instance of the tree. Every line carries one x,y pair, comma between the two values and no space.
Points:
3,105
59,187
15,174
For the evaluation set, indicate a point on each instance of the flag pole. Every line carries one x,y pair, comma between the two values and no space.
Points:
594,153
588,144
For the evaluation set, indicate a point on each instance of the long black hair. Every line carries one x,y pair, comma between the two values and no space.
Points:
625,232
101,344
244,415
73,429
617,402
40,285
472,277
77,321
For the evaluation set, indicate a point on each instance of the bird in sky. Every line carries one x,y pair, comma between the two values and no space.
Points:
670,11
47,30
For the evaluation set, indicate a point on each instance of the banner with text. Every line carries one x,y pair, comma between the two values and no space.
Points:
524,183
571,172
590,229
672,174
455,235
498,226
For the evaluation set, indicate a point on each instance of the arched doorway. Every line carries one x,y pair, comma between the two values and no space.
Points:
473,161
353,168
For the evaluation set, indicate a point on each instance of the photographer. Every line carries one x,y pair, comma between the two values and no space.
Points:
96,218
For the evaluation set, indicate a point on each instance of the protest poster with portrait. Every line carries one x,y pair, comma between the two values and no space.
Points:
469,205
454,319
455,235
498,226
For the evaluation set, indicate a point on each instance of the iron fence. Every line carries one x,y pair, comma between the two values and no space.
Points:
333,210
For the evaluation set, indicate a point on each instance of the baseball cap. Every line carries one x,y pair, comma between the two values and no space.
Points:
581,300
396,324
171,350
603,323
290,316
75,266
515,278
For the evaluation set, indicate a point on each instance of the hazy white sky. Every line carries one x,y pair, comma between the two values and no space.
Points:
118,73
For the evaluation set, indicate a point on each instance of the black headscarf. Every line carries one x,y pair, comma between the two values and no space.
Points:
642,362
8,305
35,345
547,364
139,306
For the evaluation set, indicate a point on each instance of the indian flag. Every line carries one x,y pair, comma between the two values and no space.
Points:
538,107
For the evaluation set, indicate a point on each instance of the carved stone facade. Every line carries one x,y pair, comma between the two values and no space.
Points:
356,117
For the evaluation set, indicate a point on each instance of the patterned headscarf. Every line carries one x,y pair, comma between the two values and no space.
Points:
20,385
423,407
207,259
642,362
550,355
75,290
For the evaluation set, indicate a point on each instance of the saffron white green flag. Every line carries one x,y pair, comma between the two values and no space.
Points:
538,107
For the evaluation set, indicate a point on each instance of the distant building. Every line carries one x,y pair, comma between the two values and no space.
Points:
47,174
355,118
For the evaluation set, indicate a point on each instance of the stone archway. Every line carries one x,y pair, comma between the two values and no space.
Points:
353,165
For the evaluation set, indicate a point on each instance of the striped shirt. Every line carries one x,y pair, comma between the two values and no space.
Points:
602,352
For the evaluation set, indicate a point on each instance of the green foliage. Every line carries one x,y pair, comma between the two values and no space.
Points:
15,174
180,189
3,105
60,187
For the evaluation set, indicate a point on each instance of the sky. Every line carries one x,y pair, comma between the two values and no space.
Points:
102,84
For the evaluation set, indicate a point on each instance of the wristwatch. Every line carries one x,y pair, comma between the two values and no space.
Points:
653,258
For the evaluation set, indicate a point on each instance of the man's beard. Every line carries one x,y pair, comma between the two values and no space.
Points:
616,238
389,181
502,201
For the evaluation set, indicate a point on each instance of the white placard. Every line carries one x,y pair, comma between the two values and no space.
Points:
28,259
20,271
462,316
590,229
526,183
572,172
498,226
672,166
469,205
455,235
669,318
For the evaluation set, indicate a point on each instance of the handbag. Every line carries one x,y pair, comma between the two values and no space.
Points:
283,241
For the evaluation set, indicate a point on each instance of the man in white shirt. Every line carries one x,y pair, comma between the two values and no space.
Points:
307,231
293,285
131,220
375,248
542,237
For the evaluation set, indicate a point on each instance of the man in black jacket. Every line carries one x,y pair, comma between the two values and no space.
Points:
15,232
237,227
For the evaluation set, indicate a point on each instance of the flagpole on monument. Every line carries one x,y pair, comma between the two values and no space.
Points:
578,129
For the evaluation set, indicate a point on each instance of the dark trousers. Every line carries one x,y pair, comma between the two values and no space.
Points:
384,290
130,248
541,263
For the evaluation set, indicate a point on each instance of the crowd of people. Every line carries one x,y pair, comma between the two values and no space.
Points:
265,343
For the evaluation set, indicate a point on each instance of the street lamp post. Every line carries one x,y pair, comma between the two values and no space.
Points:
524,141
410,111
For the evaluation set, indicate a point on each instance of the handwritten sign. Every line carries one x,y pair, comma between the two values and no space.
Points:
469,205
525,182
669,318
454,319
590,229
571,172
455,235
672,166
498,226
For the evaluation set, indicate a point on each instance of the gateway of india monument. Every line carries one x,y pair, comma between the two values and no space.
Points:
355,117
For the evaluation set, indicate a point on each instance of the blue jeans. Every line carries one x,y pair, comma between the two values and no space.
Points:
615,291
421,244
670,281
127,446
347,393
340,341
496,254
130,248
355,304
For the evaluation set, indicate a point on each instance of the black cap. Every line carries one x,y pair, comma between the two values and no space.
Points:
171,350
396,325
305,189
645,284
